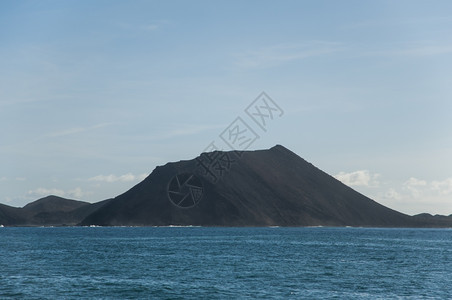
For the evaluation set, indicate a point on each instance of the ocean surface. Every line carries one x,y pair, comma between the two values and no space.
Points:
225,263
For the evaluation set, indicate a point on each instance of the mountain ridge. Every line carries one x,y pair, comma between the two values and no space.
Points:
272,187
48,211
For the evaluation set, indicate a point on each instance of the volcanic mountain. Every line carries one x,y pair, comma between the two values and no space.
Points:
273,187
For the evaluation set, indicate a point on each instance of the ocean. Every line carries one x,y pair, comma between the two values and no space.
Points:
225,263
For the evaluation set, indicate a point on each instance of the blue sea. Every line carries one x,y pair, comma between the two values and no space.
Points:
225,263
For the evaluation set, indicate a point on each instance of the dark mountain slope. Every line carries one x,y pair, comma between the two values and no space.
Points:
262,188
82,212
10,215
51,210
51,204
434,221
48,211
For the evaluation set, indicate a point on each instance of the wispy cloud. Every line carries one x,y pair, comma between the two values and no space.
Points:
279,54
444,187
413,49
415,195
426,50
129,177
414,186
415,189
77,130
393,194
150,27
359,178
185,130
76,193
146,27
16,179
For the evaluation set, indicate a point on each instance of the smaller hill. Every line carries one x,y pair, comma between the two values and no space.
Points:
48,211
10,215
429,220
52,204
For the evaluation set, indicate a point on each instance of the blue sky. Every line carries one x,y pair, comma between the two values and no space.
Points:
95,94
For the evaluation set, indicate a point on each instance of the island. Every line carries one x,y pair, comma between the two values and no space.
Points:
272,187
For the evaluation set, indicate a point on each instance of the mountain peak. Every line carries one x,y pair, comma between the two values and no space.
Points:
278,147
283,150
261,188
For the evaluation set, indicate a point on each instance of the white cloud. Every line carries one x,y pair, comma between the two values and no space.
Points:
421,196
190,130
43,192
76,130
358,178
155,25
425,50
3,178
150,27
122,178
392,194
443,187
184,130
415,182
75,193
276,55
415,187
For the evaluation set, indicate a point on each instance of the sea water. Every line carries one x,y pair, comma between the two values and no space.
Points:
224,263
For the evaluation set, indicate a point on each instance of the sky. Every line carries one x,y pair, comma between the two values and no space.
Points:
95,94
